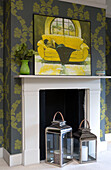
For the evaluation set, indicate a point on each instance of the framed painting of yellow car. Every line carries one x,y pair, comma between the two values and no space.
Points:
62,45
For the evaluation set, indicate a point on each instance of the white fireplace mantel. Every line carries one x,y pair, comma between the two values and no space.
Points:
31,85
62,77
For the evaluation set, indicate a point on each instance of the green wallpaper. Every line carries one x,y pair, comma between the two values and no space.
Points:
108,107
102,109
1,73
19,28
108,71
7,74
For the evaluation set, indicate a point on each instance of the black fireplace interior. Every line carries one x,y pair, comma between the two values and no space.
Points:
70,102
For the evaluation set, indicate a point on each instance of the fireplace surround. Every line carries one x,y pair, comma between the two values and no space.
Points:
30,109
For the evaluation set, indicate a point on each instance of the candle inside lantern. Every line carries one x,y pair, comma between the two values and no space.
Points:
84,153
57,157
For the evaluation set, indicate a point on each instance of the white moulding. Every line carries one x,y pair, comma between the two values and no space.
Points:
102,146
12,160
108,137
1,152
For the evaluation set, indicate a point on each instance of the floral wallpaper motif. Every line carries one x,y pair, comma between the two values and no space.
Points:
7,76
46,8
108,111
97,40
1,73
103,108
108,71
19,13
108,46
79,12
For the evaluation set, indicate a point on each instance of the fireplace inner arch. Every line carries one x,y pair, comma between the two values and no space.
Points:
72,103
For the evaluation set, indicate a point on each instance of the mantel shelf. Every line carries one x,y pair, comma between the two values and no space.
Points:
61,77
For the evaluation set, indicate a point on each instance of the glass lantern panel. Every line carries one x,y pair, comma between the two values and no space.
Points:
76,149
67,147
53,148
92,150
88,151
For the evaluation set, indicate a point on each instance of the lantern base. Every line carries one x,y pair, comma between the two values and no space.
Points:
90,160
52,163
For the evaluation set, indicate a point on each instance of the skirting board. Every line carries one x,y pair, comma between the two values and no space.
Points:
101,146
108,137
12,160
1,152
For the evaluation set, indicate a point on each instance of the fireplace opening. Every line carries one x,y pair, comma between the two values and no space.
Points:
72,103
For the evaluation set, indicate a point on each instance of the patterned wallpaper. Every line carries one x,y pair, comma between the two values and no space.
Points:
21,20
1,73
102,110
7,75
108,71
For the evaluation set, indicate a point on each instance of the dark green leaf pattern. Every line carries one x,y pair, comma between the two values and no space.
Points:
1,74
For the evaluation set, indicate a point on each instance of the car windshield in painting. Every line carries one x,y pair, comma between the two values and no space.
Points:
62,45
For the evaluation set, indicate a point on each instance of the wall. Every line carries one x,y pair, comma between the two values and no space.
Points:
7,75
19,28
1,73
108,71
102,110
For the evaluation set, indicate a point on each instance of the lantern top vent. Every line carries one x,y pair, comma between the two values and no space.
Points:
59,125
84,133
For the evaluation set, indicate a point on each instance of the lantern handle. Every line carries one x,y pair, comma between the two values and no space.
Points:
82,123
60,115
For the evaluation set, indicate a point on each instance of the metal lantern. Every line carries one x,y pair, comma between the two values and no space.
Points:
59,142
84,145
